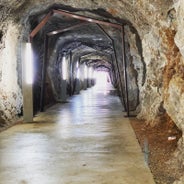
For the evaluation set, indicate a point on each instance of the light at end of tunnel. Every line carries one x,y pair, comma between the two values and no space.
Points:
29,63
94,74
64,68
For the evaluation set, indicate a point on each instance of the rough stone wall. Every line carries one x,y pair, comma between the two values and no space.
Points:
174,98
135,67
10,92
158,51
163,88
151,92
160,26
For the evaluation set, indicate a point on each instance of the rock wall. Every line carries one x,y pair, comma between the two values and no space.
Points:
135,67
10,91
158,65
151,92
174,98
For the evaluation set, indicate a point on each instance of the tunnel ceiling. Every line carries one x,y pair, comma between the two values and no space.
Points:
80,37
77,39
139,13
140,16
154,40
86,35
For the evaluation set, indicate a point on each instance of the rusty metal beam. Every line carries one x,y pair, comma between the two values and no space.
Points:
80,17
44,66
66,29
119,73
72,15
71,75
105,33
125,70
113,72
40,25
120,78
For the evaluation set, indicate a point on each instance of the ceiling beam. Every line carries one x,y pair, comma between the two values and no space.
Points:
88,19
66,29
72,15
40,26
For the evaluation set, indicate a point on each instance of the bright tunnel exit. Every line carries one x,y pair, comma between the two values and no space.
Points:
102,80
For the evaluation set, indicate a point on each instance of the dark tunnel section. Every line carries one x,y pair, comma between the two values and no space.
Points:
78,44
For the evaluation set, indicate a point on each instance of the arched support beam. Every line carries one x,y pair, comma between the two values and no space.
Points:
43,23
125,100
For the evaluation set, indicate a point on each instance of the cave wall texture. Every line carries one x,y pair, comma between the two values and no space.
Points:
154,44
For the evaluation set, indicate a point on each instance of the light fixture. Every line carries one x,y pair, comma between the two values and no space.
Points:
54,32
28,63
90,20
77,64
78,73
85,72
90,72
64,68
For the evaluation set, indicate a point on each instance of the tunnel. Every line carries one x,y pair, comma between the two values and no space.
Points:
83,43
51,52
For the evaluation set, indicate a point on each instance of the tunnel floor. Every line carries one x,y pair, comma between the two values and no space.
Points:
86,140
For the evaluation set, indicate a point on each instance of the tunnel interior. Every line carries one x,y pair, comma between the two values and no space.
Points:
86,41
142,53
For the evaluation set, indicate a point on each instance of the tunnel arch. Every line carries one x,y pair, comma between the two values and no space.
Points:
27,16
117,65
154,47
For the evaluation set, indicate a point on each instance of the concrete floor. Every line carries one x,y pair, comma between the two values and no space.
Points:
82,142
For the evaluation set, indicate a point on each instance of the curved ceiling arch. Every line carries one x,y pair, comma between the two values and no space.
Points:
94,63
102,68
131,14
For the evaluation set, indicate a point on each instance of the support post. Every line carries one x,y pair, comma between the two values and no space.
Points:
119,74
125,70
27,89
44,67
113,74
71,74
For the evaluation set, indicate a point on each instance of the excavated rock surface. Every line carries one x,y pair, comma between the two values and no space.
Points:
147,18
155,35
10,92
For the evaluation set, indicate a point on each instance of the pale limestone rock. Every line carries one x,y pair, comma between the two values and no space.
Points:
136,69
174,102
179,182
149,18
151,92
136,56
180,156
179,38
10,92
